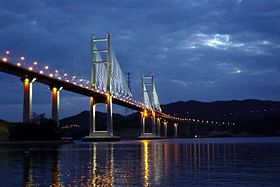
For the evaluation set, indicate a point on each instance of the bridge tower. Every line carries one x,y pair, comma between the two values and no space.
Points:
150,100
97,60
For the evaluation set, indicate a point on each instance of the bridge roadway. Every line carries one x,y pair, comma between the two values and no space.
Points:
100,97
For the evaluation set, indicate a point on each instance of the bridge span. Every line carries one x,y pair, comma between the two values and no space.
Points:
107,85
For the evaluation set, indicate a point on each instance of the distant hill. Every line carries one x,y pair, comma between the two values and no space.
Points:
223,110
1,120
251,117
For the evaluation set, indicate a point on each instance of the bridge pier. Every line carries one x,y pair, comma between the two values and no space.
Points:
109,115
143,124
55,104
165,128
92,116
153,123
100,135
175,130
27,99
144,134
158,127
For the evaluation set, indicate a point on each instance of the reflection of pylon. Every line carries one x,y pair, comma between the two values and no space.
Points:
128,80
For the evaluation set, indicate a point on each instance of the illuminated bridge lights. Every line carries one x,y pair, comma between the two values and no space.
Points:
55,74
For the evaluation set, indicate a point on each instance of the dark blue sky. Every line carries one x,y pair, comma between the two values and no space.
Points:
198,50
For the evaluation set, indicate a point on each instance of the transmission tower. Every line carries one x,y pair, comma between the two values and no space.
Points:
128,80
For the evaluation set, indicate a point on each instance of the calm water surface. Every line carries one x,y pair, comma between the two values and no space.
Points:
183,162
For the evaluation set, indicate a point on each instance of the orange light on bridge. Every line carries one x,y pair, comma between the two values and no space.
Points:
54,89
18,64
26,81
145,113
51,75
41,72
30,69
46,67
4,59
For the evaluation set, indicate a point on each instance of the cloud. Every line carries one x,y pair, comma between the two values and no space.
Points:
197,43
179,82
226,42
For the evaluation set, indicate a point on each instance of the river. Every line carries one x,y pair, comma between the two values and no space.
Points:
171,162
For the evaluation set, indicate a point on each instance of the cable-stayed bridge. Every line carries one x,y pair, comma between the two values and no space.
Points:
107,85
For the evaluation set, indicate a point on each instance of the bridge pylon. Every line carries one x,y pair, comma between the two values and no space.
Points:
96,62
150,100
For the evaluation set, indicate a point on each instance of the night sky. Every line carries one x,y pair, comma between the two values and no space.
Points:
204,50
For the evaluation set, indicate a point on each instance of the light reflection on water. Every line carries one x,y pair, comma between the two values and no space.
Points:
192,162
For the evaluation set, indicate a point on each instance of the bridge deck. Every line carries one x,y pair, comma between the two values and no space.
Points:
54,82
50,81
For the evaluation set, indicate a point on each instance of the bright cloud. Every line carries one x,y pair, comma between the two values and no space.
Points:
225,42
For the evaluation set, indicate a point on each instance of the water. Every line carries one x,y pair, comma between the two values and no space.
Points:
191,162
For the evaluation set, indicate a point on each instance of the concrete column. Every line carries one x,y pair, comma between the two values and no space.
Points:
165,128
109,115
175,130
153,123
92,116
142,123
55,104
27,99
158,126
